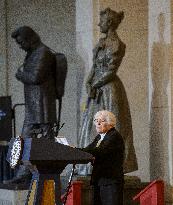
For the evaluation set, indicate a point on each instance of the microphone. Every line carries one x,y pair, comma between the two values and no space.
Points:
58,129
61,126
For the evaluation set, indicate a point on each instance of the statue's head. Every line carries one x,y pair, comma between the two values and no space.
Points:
110,19
26,38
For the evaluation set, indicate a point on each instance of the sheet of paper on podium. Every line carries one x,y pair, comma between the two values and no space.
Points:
61,140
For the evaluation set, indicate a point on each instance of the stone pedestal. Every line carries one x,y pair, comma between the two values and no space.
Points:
132,187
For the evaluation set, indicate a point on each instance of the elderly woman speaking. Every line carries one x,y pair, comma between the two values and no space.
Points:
108,149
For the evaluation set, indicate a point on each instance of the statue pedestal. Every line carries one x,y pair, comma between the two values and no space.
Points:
132,186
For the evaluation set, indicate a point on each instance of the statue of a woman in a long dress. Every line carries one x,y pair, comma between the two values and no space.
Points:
105,89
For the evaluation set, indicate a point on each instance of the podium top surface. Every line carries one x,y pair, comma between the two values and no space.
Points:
49,150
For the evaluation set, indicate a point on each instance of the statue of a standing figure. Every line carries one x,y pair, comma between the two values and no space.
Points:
38,74
105,89
39,81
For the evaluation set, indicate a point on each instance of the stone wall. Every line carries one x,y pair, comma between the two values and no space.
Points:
160,93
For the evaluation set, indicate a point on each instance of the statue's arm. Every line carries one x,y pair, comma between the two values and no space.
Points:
108,75
114,59
39,72
30,78
106,78
89,89
90,76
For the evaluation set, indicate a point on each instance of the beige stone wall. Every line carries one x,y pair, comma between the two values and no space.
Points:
160,92
171,112
160,87
171,99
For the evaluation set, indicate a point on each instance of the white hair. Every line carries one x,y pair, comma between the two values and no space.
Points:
109,117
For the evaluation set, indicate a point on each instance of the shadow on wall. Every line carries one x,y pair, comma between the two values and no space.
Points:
159,119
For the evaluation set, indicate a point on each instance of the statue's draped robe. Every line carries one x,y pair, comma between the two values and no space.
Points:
111,96
39,87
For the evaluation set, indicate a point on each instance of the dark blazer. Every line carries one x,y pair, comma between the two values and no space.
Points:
109,157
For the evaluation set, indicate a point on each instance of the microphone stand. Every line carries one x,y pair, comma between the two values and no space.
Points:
58,129
55,130
69,185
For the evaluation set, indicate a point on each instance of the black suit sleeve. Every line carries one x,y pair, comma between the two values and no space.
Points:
114,145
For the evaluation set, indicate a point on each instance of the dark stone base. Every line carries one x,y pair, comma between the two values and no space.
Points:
132,187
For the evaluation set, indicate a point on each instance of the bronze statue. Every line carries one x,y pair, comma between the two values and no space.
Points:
38,74
39,81
105,89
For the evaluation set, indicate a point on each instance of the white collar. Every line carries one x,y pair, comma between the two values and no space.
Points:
102,135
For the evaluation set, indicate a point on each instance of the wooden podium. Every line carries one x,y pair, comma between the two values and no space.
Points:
50,158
